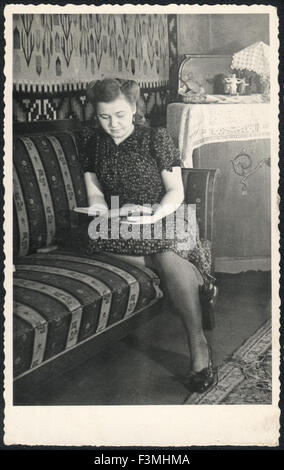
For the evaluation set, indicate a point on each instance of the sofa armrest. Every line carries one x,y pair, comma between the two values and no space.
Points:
199,186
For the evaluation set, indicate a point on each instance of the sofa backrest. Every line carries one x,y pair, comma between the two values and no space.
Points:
48,183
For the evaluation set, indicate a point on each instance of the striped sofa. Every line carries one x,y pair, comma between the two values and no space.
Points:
68,305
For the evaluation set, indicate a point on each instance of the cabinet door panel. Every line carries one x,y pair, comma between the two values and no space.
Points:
242,221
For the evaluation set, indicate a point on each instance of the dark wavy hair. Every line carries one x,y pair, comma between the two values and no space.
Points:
109,89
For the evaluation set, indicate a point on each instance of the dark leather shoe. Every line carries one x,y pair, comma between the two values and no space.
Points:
205,379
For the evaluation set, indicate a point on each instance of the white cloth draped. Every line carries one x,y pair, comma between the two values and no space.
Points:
194,125
254,58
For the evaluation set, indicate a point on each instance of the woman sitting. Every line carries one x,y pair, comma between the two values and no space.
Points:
142,168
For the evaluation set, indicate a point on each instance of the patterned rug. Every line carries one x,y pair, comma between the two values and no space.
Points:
245,378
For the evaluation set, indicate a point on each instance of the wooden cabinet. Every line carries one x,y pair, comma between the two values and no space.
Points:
235,138
242,233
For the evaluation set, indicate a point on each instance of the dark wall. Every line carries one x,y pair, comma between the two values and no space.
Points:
220,34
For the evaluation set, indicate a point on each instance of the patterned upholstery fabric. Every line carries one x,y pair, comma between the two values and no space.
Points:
48,184
61,299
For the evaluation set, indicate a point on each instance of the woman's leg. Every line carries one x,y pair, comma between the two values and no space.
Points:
182,281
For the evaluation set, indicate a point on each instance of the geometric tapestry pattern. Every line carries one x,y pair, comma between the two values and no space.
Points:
55,56
63,48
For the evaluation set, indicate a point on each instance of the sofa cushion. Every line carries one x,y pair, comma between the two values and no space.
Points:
48,183
62,300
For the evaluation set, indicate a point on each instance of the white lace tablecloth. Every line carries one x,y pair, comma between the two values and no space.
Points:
194,125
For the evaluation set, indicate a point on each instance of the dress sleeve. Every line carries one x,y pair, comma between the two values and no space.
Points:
87,146
164,150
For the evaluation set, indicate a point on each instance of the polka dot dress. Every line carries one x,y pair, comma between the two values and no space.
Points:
131,170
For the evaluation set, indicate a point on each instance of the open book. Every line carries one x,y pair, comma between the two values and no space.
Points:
119,212
87,210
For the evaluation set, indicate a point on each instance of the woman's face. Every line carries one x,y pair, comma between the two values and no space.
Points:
116,117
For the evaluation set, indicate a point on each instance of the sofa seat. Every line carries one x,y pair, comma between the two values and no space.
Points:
62,299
